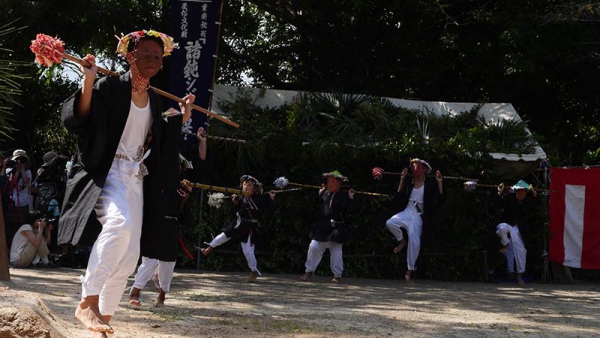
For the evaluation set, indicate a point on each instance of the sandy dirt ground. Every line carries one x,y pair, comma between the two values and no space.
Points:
41,303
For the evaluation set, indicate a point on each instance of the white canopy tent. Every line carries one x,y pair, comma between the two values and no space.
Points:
490,111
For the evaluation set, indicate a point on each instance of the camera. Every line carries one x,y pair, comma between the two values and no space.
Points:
11,164
53,221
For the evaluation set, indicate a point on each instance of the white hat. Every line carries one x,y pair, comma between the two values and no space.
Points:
21,153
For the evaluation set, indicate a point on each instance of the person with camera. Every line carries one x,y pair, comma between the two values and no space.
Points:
30,244
19,184
50,184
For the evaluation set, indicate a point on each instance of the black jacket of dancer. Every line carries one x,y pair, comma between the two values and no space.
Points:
431,201
340,210
514,213
249,209
98,135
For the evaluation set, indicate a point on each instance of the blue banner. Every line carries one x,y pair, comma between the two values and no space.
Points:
195,26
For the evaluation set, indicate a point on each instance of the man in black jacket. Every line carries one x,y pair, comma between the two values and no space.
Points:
331,231
417,201
515,207
116,176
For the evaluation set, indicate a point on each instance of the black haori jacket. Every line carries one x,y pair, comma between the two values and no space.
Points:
98,136
339,211
160,238
249,210
431,201
515,213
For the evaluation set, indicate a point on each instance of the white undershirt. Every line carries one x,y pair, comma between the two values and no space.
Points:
415,200
136,129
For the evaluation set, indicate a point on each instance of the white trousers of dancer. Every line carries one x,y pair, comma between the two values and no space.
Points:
516,251
247,249
410,220
316,250
149,267
115,253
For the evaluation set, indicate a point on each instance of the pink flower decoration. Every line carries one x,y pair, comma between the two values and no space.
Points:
377,173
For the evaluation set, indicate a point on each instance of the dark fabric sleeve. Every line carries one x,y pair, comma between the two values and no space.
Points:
170,152
92,130
75,125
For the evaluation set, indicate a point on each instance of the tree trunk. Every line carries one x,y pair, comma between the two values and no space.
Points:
4,274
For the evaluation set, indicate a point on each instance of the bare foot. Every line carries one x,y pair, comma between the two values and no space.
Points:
336,280
88,314
305,276
400,246
134,297
504,248
155,281
206,251
408,277
252,277
160,300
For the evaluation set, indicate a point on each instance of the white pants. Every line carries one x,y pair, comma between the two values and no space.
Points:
412,222
315,254
149,267
516,248
115,253
247,249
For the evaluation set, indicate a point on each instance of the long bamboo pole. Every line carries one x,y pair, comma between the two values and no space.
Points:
158,91
319,187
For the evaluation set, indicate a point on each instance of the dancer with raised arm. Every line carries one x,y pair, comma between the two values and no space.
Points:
114,178
250,206
417,200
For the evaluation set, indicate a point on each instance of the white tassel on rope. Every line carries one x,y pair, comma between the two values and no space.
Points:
215,200
281,182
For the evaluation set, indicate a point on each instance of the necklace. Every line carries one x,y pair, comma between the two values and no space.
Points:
139,84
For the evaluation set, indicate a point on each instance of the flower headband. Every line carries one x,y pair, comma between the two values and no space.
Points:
337,175
124,40
521,185
424,163
245,178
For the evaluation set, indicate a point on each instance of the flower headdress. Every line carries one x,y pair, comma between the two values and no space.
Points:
124,40
337,175
424,163
521,185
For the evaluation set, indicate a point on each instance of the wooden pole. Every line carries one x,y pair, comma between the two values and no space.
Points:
158,91
356,192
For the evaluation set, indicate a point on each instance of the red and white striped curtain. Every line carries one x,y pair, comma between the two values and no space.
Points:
574,230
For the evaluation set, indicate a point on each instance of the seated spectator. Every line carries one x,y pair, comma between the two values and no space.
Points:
30,244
